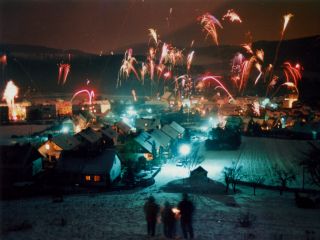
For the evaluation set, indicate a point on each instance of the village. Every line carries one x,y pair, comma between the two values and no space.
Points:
123,142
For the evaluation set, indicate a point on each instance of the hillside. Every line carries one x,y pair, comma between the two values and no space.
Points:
35,68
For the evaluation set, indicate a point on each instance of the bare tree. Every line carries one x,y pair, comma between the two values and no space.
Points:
256,180
232,175
312,164
283,177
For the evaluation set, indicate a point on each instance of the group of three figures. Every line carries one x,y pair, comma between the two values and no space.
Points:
169,216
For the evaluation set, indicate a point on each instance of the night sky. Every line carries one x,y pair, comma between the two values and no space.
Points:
113,25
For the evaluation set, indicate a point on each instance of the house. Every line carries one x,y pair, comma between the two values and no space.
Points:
146,141
147,124
52,148
168,130
199,173
163,139
99,170
178,128
109,135
123,128
90,138
19,163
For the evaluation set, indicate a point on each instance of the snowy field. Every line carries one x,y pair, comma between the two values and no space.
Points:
119,215
19,130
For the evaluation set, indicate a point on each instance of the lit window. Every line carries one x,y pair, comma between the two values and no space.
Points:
96,178
88,178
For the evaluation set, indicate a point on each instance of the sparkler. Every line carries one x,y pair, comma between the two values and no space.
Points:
209,23
9,94
232,16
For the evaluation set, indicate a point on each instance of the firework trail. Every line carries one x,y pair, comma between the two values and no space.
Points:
236,68
247,47
89,93
189,60
272,84
288,85
9,94
127,66
3,63
232,16
215,79
192,43
260,55
143,71
209,23
64,69
153,35
134,95
259,68
292,73
164,53
286,19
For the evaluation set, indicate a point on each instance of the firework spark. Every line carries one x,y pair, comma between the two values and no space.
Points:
209,23
232,16
10,93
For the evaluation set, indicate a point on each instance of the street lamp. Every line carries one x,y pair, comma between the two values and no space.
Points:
185,149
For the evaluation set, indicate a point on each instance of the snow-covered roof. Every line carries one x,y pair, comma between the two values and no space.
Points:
167,129
66,142
146,141
161,137
90,135
177,127
109,132
100,164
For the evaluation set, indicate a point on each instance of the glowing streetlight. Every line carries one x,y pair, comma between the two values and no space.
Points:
185,149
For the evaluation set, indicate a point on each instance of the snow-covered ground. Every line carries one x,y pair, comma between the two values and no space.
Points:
119,215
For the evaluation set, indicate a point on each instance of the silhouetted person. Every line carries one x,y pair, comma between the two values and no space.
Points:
168,220
186,208
151,210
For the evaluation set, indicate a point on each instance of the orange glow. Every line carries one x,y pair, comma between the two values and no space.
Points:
88,178
97,178
10,93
